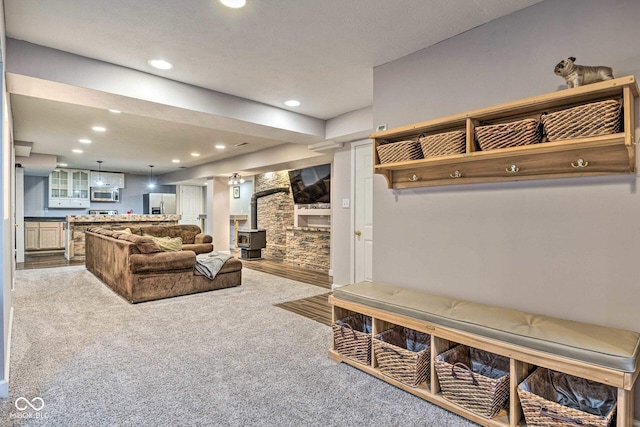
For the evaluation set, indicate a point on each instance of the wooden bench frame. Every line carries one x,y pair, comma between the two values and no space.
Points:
522,359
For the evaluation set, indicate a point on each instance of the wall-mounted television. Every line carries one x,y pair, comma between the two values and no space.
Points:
311,185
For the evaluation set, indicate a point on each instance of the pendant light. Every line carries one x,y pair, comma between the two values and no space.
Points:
235,179
99,182
151,184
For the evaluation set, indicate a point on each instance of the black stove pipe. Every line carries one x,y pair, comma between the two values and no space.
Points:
254,202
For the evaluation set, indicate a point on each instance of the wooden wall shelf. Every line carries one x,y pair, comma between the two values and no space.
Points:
599,155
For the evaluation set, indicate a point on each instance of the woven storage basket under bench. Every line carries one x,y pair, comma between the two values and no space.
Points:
599,354
404,355
352,337
552,398
475,379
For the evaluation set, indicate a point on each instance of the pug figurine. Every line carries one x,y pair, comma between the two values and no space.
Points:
579,75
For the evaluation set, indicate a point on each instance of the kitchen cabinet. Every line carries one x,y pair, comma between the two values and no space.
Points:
31,231
109,179
44,235
69,188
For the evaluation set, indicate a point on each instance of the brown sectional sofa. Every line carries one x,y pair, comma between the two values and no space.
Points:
135,268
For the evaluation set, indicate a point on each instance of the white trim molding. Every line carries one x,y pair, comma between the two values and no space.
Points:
4,382
325,146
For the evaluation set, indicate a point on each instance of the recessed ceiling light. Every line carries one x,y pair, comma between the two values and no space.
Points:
99,128
114,111
292,103
235,4
195,154
75,150
62,164
221,146
160,64
175,161
84,141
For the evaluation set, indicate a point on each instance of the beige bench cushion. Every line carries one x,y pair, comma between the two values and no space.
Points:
607,347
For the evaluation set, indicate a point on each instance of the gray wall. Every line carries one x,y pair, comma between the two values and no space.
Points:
565,248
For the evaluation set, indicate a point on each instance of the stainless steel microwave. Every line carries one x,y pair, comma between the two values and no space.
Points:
105,194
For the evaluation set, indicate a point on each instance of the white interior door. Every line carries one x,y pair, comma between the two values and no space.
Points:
191,204
363,212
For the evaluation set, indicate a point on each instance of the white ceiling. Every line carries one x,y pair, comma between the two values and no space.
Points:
320,52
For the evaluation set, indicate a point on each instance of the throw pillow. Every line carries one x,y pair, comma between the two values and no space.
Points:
126,231
167,244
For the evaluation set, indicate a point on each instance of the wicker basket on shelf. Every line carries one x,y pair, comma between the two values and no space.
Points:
352,337
551,398
404,355
596,118
443,144
475,379
504,135
399,151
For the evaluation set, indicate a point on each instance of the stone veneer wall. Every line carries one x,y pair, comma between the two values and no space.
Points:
308,247
275,213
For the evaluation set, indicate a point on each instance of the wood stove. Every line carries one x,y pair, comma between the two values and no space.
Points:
251,243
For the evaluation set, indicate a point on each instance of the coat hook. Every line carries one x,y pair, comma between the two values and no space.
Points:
581,164
456,174
513,169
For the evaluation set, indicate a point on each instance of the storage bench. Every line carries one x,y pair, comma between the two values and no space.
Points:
606,355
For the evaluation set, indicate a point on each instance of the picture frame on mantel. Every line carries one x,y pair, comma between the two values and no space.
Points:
236,192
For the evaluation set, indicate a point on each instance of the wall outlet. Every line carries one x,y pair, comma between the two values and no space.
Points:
345,203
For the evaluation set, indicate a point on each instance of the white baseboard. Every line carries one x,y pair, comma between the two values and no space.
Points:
4,382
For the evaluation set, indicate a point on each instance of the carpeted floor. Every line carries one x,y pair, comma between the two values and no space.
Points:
221,358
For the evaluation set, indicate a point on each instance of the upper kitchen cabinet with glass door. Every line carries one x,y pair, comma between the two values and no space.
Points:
69,188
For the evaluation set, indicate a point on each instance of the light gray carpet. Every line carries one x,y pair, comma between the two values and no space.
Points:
221,358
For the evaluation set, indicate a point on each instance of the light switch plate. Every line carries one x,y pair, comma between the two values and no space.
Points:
345,203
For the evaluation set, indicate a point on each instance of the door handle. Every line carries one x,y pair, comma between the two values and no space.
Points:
357,233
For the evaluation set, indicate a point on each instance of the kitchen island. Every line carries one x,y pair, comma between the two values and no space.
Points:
77,224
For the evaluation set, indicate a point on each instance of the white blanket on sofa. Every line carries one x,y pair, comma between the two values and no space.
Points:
209,264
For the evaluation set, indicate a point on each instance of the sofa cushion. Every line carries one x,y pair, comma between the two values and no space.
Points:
162,262
167,244
144,244
198,248
187,232
203,238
